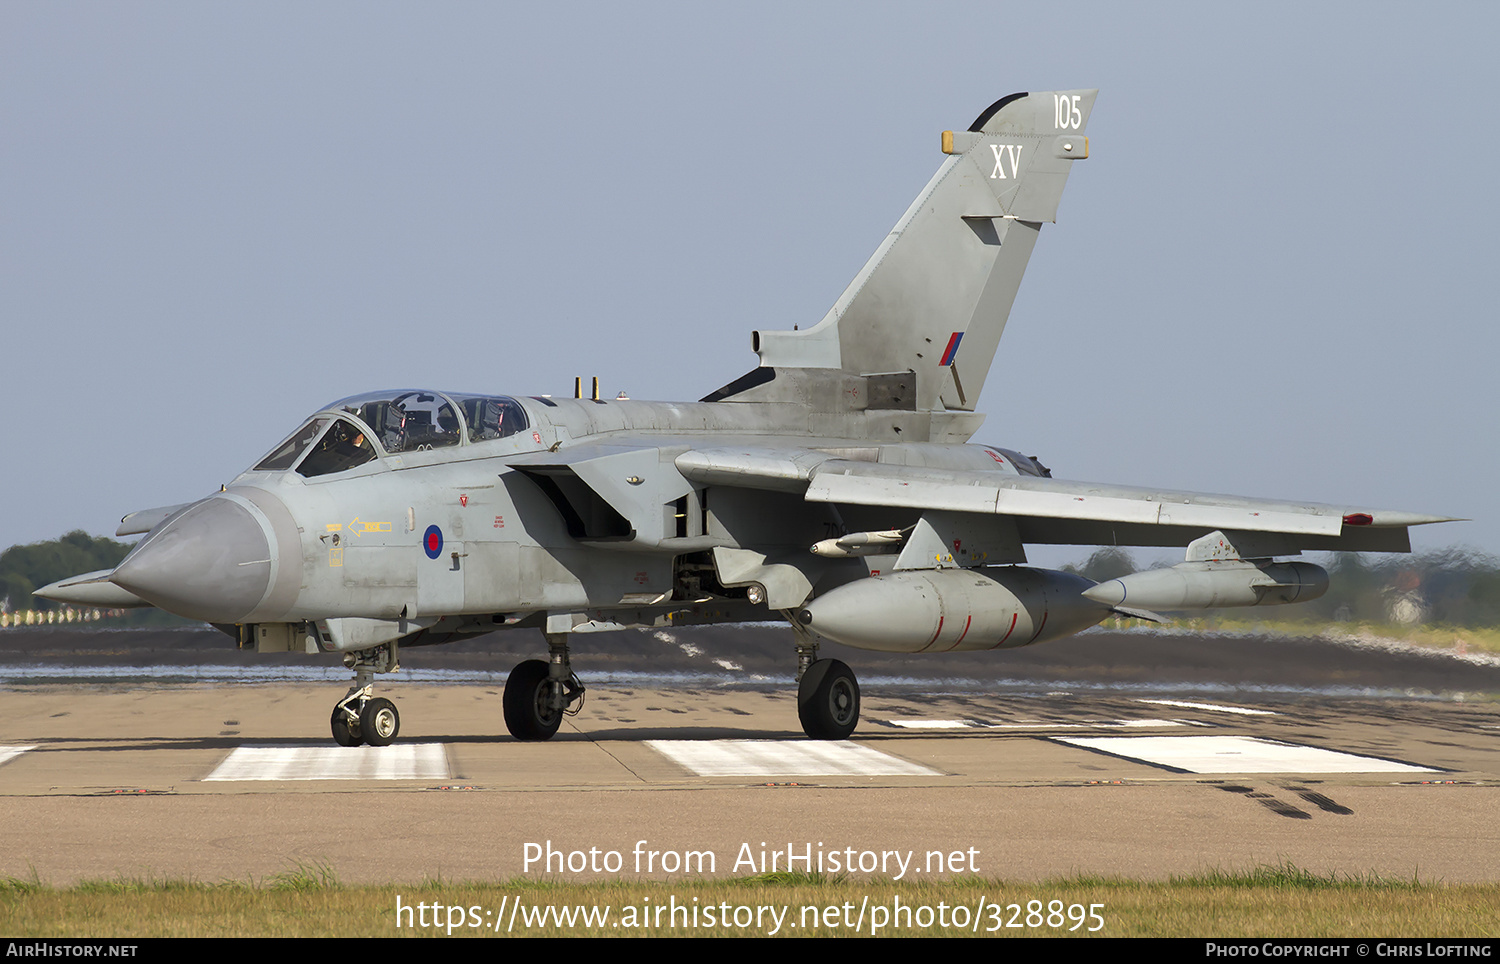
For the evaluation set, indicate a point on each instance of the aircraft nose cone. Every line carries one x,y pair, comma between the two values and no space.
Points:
212,562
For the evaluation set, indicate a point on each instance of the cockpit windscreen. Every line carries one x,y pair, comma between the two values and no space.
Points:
342,447
390,423
283,455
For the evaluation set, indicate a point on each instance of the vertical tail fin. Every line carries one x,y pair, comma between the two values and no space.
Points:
934,298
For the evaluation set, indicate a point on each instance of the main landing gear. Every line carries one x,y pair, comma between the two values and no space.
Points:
538,693
828,700
362,717
827,692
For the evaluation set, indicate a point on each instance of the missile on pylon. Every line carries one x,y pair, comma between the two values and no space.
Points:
860,544
1209,585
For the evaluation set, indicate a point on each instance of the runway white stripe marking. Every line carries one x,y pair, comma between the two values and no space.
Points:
783,758
9,753
1237,754
1241,710
910,724
403,761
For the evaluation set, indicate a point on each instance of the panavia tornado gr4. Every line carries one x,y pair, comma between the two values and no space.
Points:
833,486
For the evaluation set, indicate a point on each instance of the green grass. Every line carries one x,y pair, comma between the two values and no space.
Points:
1434,636
307,901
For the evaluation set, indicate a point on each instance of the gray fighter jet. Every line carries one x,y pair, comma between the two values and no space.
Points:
832,485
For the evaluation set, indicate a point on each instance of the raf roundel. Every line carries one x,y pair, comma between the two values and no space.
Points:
432,542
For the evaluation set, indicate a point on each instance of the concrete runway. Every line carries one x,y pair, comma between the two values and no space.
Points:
240,780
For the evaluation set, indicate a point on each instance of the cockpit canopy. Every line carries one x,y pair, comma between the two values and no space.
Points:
361,428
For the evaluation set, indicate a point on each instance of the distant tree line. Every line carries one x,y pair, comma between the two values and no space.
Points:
25,568
1452,587
29,567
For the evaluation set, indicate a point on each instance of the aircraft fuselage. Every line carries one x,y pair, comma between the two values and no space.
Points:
502,528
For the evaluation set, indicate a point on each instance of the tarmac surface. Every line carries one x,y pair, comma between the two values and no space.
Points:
169,754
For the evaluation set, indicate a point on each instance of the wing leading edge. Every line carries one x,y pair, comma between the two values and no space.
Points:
1059,511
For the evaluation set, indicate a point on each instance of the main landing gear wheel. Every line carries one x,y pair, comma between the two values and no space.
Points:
529,714
346,732
828,700
378,722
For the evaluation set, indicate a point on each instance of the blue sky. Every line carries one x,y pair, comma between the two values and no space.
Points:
1272,277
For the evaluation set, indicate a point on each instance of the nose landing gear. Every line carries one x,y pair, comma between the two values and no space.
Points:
362,717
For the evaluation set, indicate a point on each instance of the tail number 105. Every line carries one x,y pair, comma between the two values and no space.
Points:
1065,111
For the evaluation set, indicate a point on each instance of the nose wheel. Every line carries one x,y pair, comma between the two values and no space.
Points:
362,717
379,722
345,726
375,721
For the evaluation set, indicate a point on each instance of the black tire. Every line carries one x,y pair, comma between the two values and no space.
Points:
345,732
379,723
828,700
527,715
